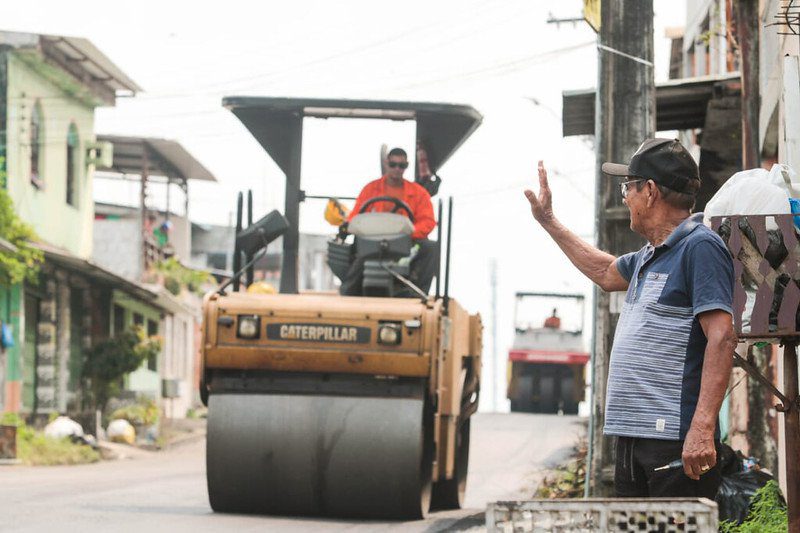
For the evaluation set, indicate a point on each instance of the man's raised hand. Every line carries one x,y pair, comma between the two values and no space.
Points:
541,206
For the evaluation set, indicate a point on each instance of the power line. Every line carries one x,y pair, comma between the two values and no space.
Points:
356,50
510,66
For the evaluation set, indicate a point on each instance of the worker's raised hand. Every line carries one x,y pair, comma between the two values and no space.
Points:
542,205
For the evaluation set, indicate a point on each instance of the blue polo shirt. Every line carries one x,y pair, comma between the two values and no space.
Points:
659,346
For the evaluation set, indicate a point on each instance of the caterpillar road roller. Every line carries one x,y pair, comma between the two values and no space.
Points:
347,406
547,362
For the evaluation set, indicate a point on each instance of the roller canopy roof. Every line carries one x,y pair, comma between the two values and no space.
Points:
441,127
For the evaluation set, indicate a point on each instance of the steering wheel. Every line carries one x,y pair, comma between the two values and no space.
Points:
398,205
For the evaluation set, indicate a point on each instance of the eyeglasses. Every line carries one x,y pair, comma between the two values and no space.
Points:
623,187
395,164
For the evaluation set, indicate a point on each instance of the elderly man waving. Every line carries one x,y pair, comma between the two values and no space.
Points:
672,353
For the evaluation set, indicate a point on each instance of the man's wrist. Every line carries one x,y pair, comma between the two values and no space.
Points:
703,425
550,225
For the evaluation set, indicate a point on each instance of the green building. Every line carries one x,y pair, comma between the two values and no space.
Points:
50,87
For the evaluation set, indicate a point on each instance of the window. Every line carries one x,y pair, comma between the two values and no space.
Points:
37,145
138,319
73,144
119,319
152,331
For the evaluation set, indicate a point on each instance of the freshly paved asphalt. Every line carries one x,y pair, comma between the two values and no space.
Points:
166,491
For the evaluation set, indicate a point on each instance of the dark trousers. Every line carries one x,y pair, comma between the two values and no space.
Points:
424,267
635,475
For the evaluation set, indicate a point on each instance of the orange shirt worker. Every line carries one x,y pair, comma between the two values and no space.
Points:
424,264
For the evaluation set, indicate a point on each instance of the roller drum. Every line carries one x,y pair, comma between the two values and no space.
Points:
291,454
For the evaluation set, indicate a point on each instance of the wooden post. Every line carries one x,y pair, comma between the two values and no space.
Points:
625,116
792,434
143,201
747,25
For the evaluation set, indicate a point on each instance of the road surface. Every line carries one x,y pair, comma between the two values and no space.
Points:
166,491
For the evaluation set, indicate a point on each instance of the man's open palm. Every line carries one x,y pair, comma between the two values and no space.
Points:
541,206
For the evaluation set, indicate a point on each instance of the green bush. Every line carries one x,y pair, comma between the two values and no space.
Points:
34,449
106,363
767,513
142,414
177,276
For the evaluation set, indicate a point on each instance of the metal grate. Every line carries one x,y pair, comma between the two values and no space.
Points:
764,262
664,515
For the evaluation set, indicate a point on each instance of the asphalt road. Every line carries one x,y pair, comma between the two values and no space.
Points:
166,491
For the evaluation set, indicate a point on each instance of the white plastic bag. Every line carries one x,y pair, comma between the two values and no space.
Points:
63,427
786,178
749,192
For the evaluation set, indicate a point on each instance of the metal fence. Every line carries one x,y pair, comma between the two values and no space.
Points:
663,515
765,258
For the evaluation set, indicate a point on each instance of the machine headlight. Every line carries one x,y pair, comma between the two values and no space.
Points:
389,333
249,327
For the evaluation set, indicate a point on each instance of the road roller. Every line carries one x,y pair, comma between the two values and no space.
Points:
343,406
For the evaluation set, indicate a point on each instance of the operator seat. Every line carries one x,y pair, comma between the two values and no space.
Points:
383,240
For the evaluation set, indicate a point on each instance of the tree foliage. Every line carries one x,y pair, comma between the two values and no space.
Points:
767,513
177,277
106,363
22,265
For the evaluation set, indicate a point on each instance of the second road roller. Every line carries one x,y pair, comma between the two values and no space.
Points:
328,405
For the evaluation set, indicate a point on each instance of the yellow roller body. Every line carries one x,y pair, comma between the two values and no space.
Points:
325,412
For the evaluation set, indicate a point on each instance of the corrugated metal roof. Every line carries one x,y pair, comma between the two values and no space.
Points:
164,158
680,104
80,53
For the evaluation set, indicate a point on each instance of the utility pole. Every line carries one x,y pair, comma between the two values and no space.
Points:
494,373
747,26
624,116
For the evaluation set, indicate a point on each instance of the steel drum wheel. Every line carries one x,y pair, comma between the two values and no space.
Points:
319,455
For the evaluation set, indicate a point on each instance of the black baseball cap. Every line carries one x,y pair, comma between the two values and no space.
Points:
665,161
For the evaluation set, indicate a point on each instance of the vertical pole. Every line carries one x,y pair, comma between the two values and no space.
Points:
495,374
291,239
4,53
237,254
625,116
439,249
447,256
145,262
747,24
792,434
251,269
166,211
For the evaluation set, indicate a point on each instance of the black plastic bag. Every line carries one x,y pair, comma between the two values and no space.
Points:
736,491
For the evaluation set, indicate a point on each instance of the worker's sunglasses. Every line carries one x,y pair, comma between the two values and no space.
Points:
623,187
395,164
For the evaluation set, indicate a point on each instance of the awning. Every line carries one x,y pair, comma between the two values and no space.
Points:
80,58
680,104
66,260
164,157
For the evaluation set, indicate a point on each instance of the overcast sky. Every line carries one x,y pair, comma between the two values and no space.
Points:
499,56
